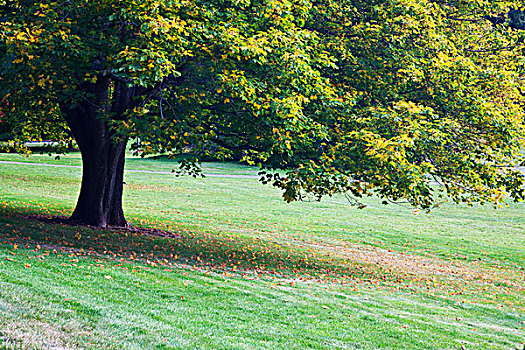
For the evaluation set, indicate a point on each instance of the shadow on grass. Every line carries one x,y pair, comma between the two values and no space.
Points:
215,251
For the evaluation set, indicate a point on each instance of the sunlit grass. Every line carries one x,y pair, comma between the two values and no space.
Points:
152,163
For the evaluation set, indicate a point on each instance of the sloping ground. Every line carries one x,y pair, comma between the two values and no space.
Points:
85,275
224,264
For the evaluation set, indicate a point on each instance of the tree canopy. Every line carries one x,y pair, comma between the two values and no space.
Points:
353,96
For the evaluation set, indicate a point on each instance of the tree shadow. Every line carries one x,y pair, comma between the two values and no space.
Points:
204,250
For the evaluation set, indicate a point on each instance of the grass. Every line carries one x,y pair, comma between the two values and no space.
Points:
240,269
159,163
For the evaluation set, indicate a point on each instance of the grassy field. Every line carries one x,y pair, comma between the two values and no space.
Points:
224,263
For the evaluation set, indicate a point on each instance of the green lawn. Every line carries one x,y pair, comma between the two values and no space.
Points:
241,269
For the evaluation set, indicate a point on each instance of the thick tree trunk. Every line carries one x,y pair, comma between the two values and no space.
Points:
103,153
100,200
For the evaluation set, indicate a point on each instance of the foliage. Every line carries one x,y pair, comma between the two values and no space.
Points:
5,128
347,96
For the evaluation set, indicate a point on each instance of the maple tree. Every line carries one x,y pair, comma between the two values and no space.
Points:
348,96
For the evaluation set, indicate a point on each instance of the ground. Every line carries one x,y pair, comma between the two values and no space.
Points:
223,262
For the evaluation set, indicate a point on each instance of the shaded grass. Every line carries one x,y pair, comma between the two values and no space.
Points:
254,272
494,236
146,299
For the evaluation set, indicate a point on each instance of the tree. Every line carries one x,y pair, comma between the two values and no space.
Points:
347,96
5,128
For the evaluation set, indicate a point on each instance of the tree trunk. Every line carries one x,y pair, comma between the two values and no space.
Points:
103,153
100,200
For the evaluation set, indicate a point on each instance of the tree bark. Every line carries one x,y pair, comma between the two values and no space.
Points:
103,154
100,200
